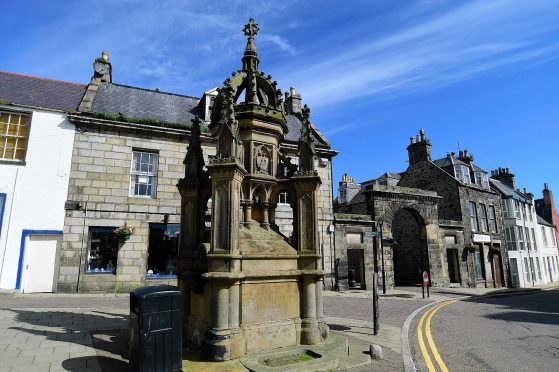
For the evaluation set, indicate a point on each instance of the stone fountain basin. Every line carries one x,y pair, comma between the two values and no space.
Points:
321,357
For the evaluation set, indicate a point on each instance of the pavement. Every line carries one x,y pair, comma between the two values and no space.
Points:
62,332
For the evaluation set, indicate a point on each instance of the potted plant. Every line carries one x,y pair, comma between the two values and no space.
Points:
123,233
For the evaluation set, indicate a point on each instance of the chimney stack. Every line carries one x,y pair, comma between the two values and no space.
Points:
505,176
292,102
348,189
420,149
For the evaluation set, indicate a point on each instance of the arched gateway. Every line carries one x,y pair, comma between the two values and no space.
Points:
412,242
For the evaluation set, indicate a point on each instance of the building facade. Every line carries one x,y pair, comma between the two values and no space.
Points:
439,216
523,233
546,208
36,140
127,159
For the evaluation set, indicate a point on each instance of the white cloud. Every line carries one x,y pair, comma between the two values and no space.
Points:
454,46
278,41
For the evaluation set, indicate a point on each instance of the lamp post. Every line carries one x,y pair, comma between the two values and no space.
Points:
380,223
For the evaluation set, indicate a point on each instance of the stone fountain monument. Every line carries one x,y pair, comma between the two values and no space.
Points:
247,287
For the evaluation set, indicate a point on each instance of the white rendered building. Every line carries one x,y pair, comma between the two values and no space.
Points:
549,251
527,248
36,141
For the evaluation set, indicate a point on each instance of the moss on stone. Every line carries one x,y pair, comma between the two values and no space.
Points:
146,121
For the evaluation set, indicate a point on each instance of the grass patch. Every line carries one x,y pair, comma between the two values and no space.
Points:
290,359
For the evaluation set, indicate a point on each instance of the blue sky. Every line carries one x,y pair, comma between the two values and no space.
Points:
479,74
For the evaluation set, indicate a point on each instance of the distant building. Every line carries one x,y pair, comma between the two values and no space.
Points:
546,208
527,248
440,216
36,140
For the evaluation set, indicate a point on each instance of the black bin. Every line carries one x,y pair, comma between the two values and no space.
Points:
155,329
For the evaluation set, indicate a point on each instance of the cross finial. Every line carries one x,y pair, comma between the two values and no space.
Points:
251,28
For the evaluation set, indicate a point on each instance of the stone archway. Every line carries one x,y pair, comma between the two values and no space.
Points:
410,227
409,254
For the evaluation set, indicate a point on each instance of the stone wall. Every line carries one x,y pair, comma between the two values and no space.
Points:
100,182
354,224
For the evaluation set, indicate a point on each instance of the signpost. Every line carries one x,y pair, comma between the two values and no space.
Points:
375,304
425,284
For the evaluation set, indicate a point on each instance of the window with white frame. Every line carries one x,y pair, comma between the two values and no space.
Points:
534,239
544,235
530,215
528,240
527,270
143,174
553,238
520,232
14,133
510,238
517,212
493,219
473,216
524,207
483,217
482,180
462,173
505,203
539,268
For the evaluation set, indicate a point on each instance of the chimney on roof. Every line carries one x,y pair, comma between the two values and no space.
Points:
348,189
505,176
102,73
420,149
465,156
292,102
102,68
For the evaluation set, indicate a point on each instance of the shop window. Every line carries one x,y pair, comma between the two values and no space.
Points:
14,133
103,249
163,250
143,174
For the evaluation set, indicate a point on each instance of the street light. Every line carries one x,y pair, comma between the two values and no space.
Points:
380,223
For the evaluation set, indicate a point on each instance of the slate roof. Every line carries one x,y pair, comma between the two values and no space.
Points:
40,92
294,126
508,191
541,221
447,161
142,103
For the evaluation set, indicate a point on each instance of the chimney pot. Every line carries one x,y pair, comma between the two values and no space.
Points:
546,186
105,55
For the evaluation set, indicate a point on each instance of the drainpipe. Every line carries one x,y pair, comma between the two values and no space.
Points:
81,249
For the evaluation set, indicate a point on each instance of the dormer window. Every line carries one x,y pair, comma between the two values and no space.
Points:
482,180
462,173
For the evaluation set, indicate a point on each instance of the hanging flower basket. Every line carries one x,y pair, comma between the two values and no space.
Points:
470,248
123,233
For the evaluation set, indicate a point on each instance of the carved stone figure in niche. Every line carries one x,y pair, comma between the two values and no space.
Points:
262,160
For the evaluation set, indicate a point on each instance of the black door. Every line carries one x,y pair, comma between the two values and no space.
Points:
453,265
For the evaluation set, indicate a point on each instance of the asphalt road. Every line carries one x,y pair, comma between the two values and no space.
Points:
509,333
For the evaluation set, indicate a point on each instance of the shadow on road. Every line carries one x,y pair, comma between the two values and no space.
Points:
105,332
535,307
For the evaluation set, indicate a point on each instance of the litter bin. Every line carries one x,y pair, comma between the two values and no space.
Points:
155,329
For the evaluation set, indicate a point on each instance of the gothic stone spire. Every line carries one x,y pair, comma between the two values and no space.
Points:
306,143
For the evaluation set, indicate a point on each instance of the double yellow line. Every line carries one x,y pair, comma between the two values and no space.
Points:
424,326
